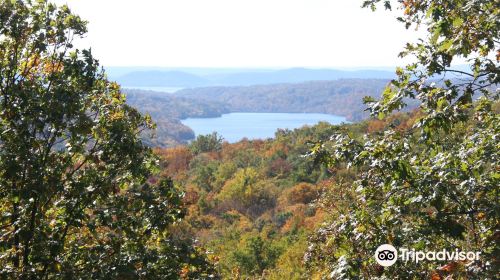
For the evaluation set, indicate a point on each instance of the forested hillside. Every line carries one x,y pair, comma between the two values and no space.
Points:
268,209
167,111
341,97
253,204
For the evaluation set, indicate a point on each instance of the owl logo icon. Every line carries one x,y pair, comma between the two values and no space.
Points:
386,255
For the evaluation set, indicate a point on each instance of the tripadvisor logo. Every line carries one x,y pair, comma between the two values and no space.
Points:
387,255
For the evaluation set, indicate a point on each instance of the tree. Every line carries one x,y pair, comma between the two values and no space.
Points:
256,255
74,198
206,143
434,185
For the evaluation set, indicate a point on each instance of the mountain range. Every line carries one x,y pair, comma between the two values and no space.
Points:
189,79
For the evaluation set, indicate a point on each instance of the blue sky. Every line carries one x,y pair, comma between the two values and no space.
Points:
241,33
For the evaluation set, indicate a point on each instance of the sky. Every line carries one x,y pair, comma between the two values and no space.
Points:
241,33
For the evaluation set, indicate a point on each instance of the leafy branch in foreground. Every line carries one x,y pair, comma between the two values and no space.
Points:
74,197
436,184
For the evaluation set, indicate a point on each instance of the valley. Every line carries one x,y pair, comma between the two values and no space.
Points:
342,98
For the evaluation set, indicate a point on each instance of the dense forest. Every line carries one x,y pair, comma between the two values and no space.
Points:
269,209
253,204
84,196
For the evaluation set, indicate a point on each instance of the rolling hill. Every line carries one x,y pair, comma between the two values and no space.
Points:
341,97
161,78
177,78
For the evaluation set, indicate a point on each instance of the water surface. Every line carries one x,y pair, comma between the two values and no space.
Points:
236,126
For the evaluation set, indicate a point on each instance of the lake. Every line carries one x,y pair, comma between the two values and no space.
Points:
235,126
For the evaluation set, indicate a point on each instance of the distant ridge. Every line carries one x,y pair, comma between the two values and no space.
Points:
177,78
295,75
157,78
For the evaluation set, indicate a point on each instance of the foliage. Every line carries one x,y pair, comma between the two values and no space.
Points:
255,255
206,143
433,184
250,202
74,197
202,172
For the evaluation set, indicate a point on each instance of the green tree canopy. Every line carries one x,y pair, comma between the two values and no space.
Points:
206,143
74,198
